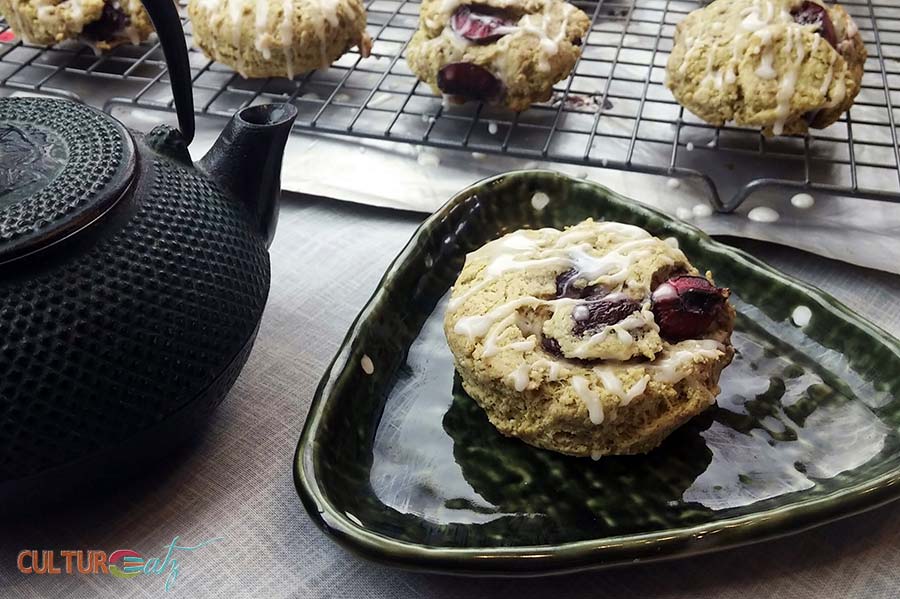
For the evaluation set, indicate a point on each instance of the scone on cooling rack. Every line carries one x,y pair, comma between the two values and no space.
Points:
508,52
596,340
104,24
782,65
278,38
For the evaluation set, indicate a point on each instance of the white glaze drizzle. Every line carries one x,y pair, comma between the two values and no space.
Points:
840,88
580,313
530,24
622,329
590,398
235,18
554,368
739,45
829,75
262,41
765,21
693,45
761,15
286,31
476,327
520,377
45,14
574,235
47,10
330,11
612,384
664,291
449,6
766,68
132,34
712,76
669,366
76,10
451,36
490,345
611,268
549,44
762,21
788,83
500,266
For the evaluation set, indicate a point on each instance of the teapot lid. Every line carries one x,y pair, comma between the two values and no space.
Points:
62,165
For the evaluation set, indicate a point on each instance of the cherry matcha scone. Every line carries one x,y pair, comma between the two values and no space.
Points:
596,340
782,65
278,38
104,24
508,52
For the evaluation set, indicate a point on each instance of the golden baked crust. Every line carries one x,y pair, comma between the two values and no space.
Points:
278,38
750,62
502,310
542,50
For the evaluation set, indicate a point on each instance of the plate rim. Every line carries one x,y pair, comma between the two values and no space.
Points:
587,554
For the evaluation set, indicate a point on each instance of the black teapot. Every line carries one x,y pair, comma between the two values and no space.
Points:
132,281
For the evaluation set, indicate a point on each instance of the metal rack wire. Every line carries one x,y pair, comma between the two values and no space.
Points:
613,111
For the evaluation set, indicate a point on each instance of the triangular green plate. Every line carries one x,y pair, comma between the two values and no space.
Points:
399,465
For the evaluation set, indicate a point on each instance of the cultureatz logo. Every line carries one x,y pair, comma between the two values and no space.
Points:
122,563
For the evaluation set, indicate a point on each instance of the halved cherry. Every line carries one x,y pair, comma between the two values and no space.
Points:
551,346
685,306
810,13
469,81
480,24
111,23
566,287
601,313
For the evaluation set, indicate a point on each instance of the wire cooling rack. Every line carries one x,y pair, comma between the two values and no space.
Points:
613,111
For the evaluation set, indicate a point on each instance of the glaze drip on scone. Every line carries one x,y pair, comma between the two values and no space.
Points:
278,37
783,65
581,310
264,40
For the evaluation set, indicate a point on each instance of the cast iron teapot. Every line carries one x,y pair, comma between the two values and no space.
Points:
132,282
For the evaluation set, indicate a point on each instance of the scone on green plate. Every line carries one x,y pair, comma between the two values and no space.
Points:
104,24
508,52
782,65
278,38
597,340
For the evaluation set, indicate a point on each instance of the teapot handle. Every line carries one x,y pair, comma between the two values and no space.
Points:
164,15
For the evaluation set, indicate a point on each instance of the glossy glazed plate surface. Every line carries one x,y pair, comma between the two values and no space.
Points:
399,464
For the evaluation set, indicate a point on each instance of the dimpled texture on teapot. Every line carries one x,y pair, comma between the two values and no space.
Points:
115,339
96,158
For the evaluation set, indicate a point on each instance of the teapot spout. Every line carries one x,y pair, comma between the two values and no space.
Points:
245,162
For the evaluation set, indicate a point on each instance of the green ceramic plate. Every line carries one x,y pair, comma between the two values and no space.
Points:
398,464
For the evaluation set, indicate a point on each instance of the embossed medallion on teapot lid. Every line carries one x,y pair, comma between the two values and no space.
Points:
62,165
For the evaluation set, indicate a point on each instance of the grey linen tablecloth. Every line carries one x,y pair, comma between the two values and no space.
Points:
235,481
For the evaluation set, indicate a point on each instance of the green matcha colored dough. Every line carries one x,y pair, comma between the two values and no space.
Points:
749,62
542,50
47,22
278,38
629,391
